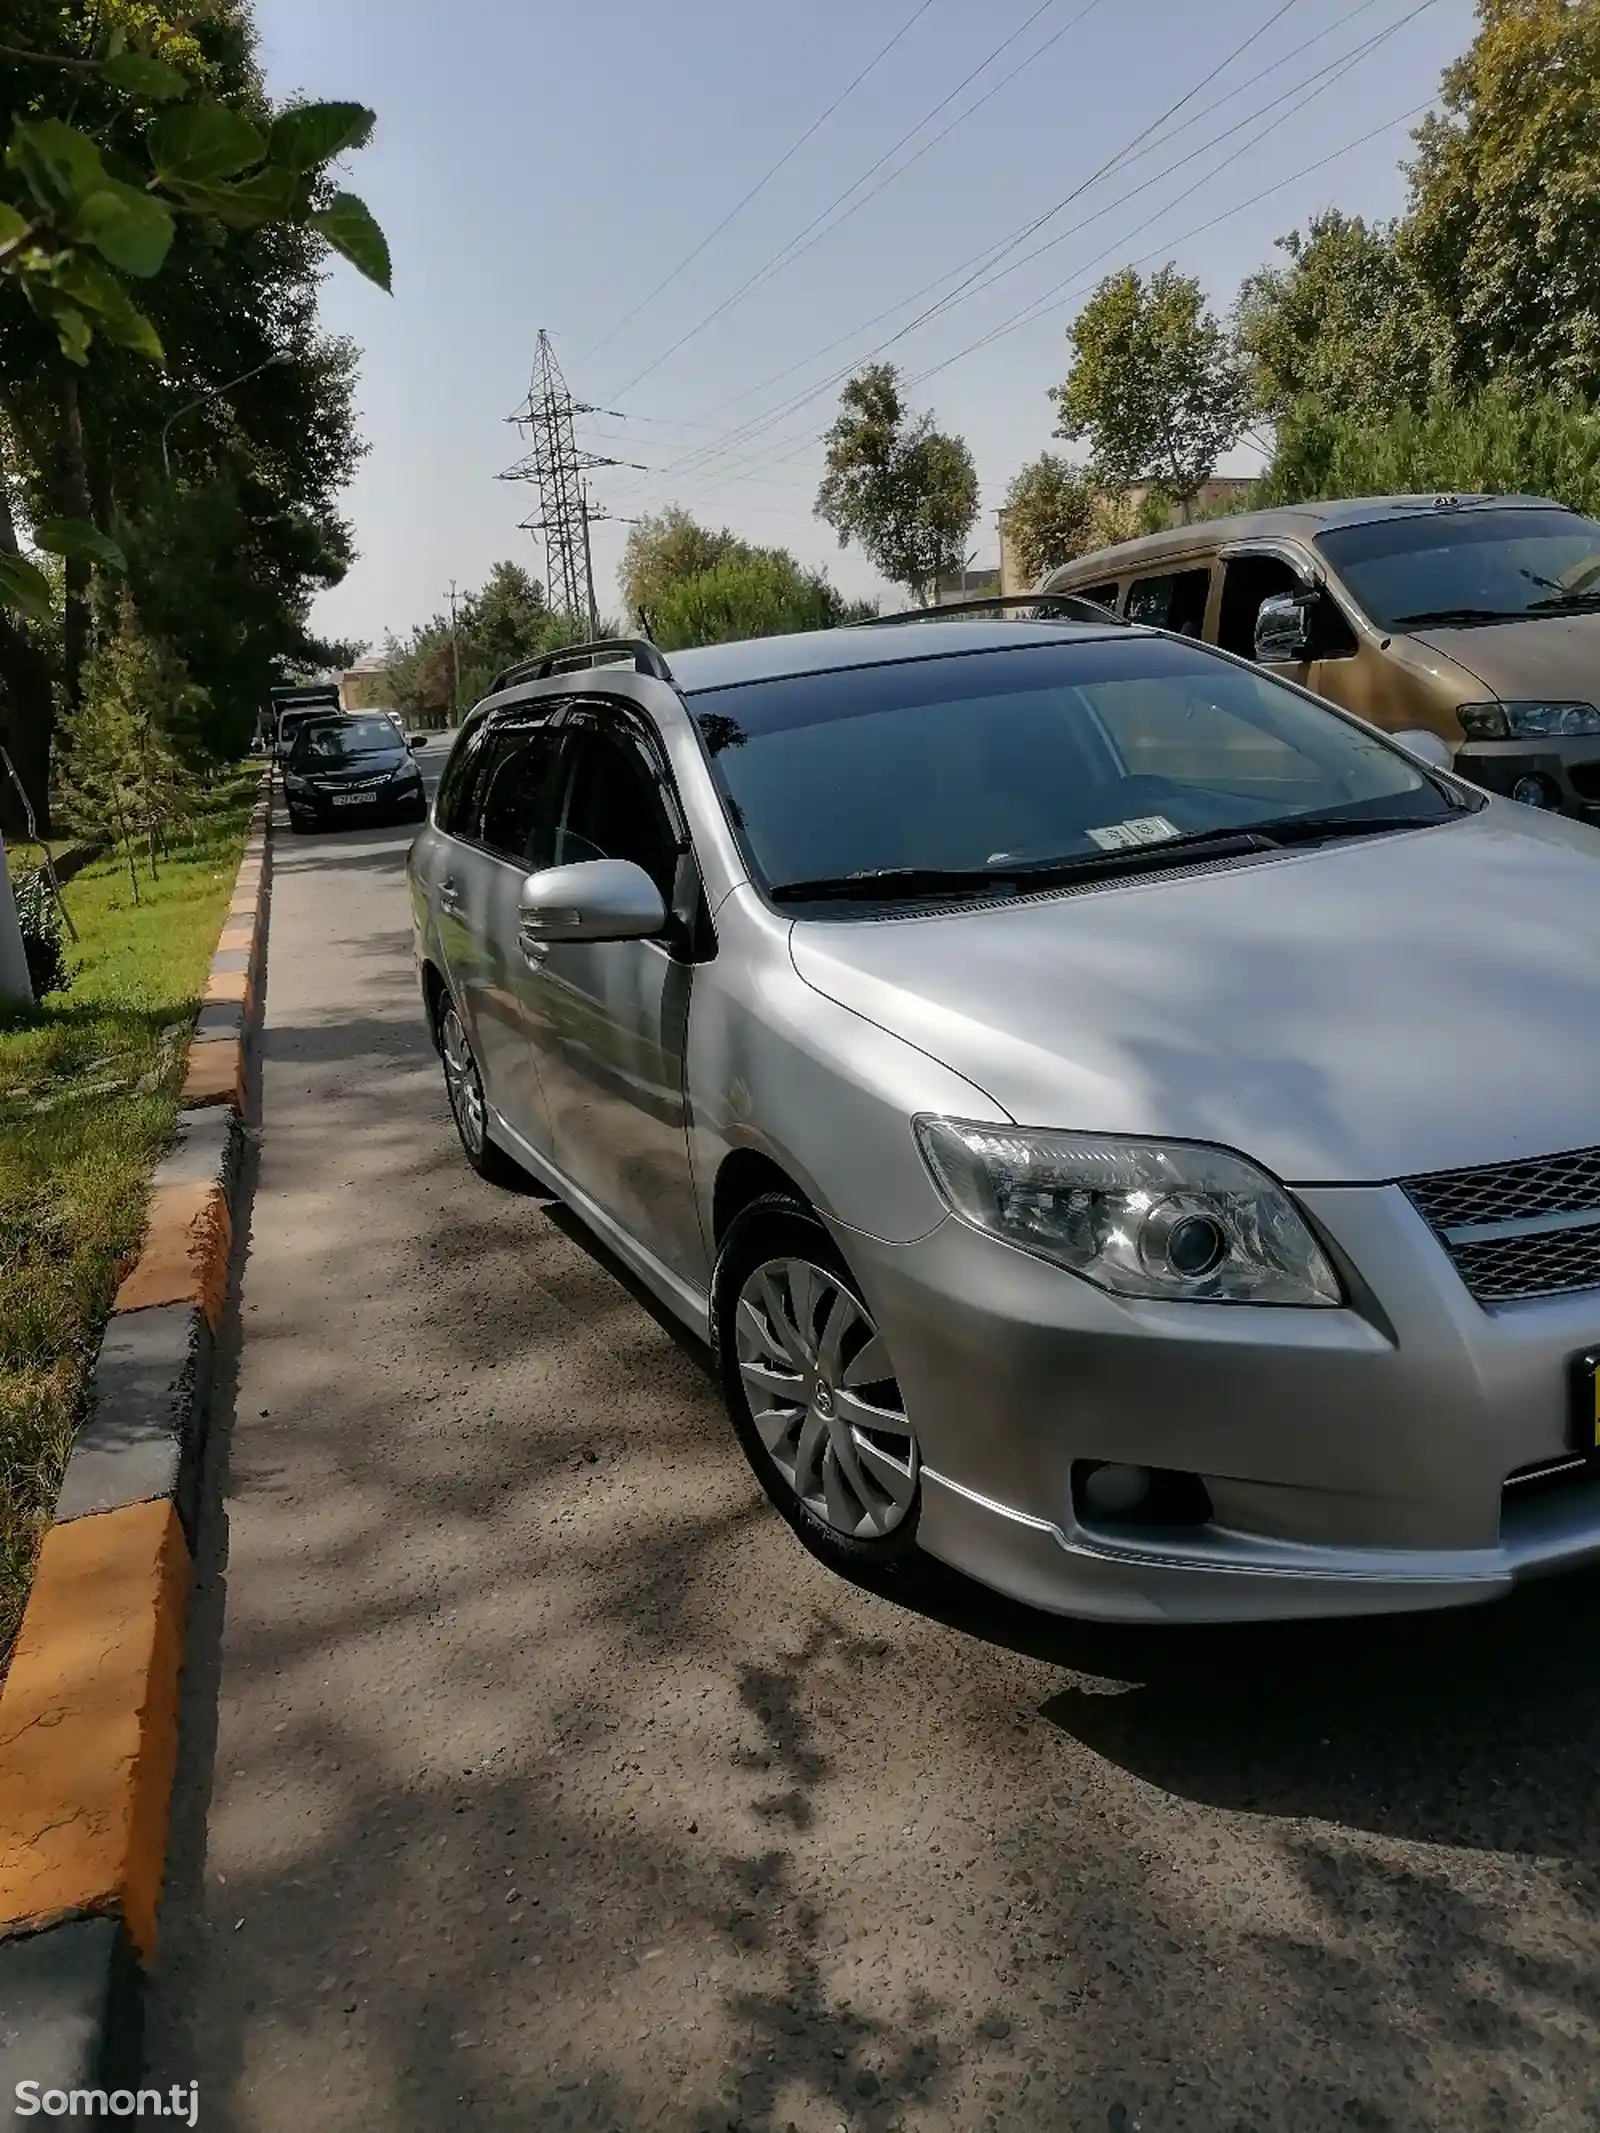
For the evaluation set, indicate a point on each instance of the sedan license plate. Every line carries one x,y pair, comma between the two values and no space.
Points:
349,799
1586,1402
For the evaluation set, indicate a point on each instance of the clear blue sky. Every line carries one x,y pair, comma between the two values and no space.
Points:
548,165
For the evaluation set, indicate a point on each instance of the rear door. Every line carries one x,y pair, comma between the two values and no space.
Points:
1175,597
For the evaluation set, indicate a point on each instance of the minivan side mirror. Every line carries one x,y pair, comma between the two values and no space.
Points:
1283,629
591,900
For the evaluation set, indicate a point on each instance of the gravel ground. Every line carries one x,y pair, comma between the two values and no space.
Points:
533,1776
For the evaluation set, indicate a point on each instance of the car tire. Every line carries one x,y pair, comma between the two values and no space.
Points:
301,823
842,1468
463,1084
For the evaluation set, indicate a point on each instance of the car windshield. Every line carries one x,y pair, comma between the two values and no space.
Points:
1001,762
1469,566
349,737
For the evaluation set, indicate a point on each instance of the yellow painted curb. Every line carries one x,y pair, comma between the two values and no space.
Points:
215,1073
237,934
89,1722
184,1259
228,988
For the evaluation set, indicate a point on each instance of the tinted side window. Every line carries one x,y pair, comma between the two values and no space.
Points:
515,808
611,807
1106,595
1247,580
1176,600
456,782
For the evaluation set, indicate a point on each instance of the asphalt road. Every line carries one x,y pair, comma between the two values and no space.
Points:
532,1775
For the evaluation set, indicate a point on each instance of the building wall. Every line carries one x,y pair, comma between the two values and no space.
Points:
366,688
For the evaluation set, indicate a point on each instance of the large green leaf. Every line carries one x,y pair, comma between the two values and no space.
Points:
24,587
80,542
87,284
129,228
152,81
312,134
199,142
267,195
58,164
72,329
12,225
348,225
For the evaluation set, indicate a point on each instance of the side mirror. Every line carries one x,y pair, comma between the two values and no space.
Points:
592,900
1283,629
416,742
1430,748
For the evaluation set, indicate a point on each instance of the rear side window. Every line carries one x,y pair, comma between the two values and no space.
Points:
450,808
1174,601
1105,595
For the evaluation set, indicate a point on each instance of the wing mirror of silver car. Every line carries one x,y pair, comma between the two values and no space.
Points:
1429,748
592,900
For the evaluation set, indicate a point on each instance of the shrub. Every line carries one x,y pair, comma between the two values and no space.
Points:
767,594
43,936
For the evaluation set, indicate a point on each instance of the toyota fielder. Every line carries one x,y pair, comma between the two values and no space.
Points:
1130,1129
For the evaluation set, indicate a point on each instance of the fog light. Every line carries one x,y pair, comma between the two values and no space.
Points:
1114,1491
1535,791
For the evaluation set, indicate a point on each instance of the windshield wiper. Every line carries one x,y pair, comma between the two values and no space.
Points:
1314,829
1568,604
875,884
1447,617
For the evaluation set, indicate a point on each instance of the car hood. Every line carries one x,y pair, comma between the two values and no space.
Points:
1551,656
358,770
1402,1004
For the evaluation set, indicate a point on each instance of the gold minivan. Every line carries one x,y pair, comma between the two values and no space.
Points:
1472,619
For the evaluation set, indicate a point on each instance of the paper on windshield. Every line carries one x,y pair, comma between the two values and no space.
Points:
1143,829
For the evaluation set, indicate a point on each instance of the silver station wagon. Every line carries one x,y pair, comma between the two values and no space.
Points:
1129,1129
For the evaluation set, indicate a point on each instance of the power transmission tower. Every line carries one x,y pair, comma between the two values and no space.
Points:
556,466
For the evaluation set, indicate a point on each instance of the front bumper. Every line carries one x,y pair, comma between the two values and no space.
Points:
1356,1460
1570,766
382,801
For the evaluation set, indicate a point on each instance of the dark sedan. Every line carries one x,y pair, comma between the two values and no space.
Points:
353,770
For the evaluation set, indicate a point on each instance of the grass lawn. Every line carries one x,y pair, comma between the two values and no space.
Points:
88,1092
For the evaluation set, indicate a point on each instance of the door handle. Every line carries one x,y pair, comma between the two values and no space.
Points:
449,899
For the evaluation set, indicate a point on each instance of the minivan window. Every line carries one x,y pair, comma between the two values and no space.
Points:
1174,601
1035,755
516,812
1467,567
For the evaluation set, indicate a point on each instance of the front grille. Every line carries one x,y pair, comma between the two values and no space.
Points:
1518,1229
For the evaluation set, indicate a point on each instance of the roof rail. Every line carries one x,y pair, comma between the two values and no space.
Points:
603,652
1060,607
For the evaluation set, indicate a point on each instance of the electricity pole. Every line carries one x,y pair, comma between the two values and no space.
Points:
556,466
455,661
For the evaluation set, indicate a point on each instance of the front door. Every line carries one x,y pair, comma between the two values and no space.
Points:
607,1021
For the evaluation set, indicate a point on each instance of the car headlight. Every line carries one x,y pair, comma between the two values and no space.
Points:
1161,1219
1533,720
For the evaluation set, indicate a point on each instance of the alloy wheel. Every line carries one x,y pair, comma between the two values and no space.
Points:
462,1082
824,1399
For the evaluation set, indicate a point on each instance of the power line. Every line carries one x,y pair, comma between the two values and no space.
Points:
981,263
1160,140
787,157
1035,308
803,240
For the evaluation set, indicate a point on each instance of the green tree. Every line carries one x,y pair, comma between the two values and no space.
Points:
123,775
1344,322
153,203
1503,225
1501,441
766,594
505,621
1155,385
906,491
664,550
1050,515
